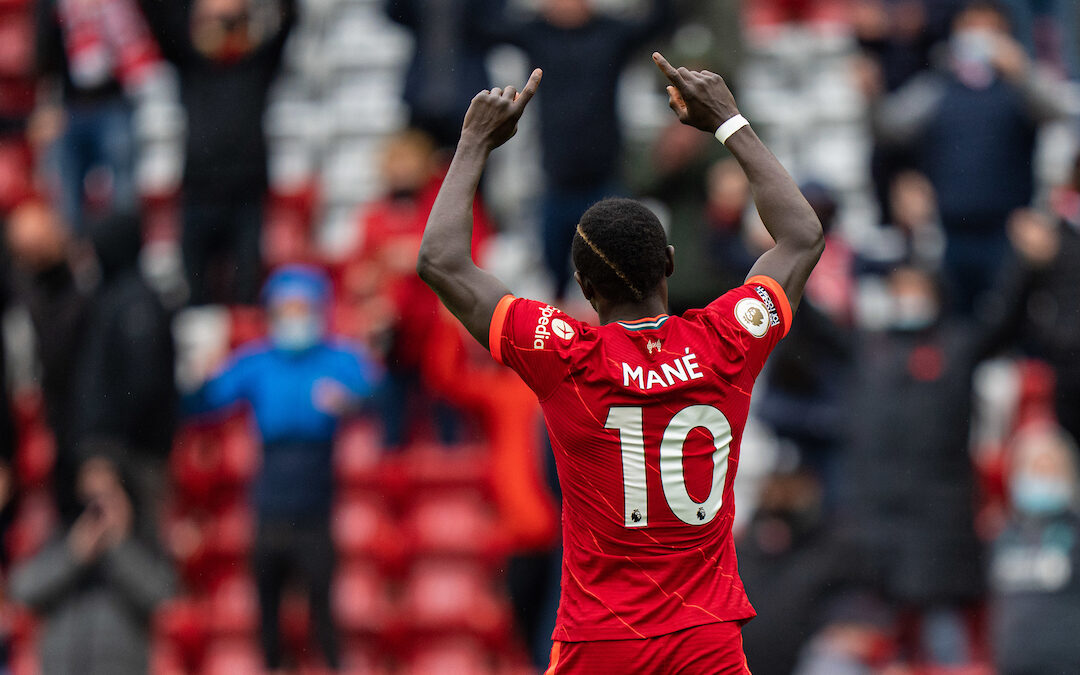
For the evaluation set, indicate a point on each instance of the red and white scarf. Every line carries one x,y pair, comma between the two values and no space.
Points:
107,39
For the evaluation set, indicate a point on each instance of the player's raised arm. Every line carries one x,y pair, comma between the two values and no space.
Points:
702,99
445,262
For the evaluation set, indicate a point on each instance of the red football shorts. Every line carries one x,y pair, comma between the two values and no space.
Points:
712,649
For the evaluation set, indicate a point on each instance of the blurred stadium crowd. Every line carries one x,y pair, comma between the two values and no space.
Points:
237,434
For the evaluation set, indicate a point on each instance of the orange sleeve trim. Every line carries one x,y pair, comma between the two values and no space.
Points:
779,294
495,331
556,652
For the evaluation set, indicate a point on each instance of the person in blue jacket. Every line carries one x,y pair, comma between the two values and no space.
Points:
298,384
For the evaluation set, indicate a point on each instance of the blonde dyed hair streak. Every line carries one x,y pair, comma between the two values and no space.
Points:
607,261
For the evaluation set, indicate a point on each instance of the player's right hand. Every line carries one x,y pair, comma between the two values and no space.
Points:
699,97
493,114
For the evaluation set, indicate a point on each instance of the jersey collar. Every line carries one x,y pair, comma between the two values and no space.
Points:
647,323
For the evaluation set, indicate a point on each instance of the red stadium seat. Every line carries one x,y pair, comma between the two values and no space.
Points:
239,452
246,324
453,522
433,466
15,160
194,463
232,656
364,529
234,607
361,602
451,657
357,455
230,534
16,41
181,623
35,521
453,596
287,233
35,453
35,457
165,659
362,657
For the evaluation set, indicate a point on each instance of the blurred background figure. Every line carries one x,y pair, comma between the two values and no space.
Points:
97,585
804,404
298,385
447,67
1035,568
1052,323
391,228
227,53
582,54
45,284
793,566
92,58
522,475
973,121
122,387
908,478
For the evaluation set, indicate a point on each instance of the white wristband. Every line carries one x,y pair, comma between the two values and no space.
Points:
723,133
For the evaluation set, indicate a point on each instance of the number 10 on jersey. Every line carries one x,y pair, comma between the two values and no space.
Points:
629,422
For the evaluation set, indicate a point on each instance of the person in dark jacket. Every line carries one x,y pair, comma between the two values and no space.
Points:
973,121
123,382
1035,570
298,386
228,56
792,565
96,586
43,281
908,480
1052,320
582,55
447,66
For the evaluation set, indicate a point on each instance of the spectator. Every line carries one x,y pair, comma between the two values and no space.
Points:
44,282
914,235
1052,321
909,481
228,55
1035,575
973,120
810,371
582,54
298,387
97,585
447,68
392,227
791,566
123,379
91,55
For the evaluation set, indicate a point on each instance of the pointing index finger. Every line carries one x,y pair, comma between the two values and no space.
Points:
668,70
529,89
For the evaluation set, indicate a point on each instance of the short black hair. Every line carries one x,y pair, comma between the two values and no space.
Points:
620,247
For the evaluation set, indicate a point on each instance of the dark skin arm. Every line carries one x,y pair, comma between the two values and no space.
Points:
702,99
445,262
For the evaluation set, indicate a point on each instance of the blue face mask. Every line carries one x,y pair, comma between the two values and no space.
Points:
296,333
1040,496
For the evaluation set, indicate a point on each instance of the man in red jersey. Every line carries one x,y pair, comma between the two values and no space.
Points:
646,411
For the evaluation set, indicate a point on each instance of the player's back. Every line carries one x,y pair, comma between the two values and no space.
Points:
645,420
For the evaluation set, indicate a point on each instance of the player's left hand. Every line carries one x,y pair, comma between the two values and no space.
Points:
700,98
493,114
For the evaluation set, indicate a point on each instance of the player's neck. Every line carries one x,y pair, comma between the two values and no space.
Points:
632,311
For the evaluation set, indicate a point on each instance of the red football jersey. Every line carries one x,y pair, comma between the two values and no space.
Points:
645,420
